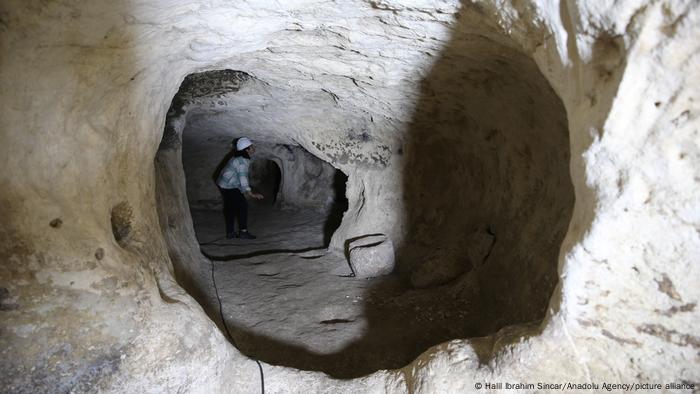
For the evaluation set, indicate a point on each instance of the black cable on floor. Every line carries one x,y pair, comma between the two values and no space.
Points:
228,333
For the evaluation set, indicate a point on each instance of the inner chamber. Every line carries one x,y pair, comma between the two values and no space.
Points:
485,200
303,199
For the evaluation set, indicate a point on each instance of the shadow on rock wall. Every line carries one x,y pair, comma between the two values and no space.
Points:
488,199
487,190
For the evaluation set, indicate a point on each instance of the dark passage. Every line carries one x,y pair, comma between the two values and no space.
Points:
265,178
338,208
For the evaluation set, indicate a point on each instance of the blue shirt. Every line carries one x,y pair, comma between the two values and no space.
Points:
235,175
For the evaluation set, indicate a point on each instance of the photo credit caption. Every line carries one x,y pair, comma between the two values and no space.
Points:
602,386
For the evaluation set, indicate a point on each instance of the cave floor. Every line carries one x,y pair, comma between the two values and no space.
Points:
287,301
278,230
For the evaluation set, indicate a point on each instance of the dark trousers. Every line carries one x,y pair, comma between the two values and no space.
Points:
235,206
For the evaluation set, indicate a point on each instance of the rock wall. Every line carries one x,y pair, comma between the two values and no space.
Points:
86,307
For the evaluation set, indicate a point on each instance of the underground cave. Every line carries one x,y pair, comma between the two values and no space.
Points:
461,192
479,253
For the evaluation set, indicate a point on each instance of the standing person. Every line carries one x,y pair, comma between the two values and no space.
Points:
234,187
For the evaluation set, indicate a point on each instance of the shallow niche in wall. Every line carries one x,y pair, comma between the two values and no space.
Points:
121,219
486,203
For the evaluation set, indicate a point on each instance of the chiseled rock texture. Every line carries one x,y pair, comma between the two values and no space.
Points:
371,256
567,132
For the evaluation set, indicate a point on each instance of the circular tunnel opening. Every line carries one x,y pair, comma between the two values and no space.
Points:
485,200
266,177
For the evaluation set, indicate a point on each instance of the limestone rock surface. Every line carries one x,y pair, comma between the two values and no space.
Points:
371,256
439,267
568,129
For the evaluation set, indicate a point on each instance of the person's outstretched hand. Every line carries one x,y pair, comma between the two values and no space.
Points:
257,196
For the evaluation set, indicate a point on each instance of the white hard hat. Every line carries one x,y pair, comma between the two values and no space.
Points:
243,143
